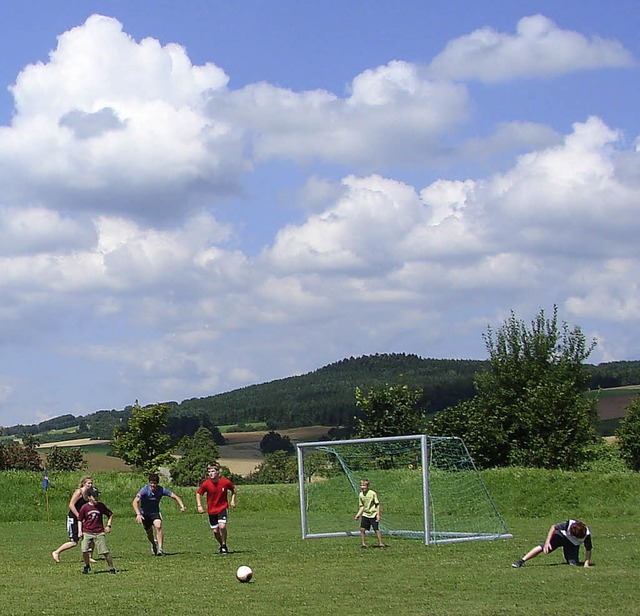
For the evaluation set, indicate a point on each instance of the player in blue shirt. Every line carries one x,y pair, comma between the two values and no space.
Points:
146,504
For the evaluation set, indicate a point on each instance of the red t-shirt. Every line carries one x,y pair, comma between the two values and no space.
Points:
91,517
217,498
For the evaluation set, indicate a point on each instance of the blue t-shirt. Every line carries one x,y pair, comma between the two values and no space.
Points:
150,499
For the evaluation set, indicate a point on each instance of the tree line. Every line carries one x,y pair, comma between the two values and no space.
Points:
528,408
322,397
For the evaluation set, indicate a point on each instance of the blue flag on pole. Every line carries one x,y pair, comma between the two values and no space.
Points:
45,481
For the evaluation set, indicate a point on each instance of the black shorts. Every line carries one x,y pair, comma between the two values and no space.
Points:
148,519
569,550
368,523
72,528
216,518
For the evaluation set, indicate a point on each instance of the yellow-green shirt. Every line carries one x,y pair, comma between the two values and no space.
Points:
370,503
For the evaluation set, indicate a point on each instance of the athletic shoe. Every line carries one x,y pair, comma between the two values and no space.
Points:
112,571
224,549
154,548
160,553
518,564
86,569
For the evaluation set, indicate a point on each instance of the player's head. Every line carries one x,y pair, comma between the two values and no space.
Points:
364,484
214,471
86,482
93,495
154,479
578,530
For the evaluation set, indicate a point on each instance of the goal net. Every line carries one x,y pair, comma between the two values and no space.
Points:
428,488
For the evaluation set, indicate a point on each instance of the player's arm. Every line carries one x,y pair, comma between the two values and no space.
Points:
360,511
199,502
233,498
178,500
547,543
136,507
107,528
378,511
587,559
72,503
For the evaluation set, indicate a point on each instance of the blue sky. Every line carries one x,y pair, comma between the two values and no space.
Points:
199,196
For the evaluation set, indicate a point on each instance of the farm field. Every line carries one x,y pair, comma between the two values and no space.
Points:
241,455
323,576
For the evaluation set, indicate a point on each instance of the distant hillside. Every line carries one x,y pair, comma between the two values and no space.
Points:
322,397
326,396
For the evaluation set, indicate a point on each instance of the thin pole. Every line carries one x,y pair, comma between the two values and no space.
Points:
303,501
425,489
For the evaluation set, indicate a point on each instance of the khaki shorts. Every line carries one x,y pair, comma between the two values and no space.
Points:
99,542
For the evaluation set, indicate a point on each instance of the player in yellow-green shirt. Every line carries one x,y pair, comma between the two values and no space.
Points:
369,513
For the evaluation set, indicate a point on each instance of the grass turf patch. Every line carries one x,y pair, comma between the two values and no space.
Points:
322,576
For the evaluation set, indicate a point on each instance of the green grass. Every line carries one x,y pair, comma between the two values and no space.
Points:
322,576
251,426
612,393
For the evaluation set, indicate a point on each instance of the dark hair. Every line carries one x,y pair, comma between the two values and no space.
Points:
154,477
93,492
578,529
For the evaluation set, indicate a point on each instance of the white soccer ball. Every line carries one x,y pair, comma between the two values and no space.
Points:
244,573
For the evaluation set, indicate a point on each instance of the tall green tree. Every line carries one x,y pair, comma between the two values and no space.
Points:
628,434
145,443
391,410
198,453
528,409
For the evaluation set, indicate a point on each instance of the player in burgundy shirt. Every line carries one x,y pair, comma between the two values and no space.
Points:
92,529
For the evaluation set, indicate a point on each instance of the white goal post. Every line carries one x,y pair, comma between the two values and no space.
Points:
428,487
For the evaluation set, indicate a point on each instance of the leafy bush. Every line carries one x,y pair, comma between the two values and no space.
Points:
65,459
629,434
198,453
604,457
14,456
278,467
273,441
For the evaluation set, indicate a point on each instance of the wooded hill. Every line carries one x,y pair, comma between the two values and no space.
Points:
323,397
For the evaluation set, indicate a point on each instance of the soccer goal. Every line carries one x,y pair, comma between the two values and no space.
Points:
428,486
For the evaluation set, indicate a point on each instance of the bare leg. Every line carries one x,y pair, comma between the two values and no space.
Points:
149,532
65,546
159,534
532,553
363,534
217,536
380,541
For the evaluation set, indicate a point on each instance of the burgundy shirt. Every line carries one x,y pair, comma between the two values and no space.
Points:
91,517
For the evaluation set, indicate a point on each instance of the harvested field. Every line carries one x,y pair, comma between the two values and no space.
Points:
240,456
612,407
79,442
242,453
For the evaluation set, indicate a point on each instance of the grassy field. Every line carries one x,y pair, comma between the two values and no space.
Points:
322,576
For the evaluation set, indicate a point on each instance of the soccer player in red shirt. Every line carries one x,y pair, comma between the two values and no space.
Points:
217,490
